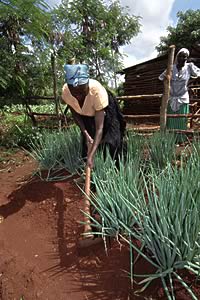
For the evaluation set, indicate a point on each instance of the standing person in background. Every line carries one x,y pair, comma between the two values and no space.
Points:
95,111
179,96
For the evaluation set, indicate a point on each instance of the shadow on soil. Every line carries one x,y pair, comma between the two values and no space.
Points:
33,191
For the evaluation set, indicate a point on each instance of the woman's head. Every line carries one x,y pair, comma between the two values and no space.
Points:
77,78
182,56
76,74
79,91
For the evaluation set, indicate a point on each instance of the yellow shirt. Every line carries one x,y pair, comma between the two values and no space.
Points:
96,99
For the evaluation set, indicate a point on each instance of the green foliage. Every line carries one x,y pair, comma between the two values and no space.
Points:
168,225
94,33
22,136
161,211
114,187
16,128
17,131
19,108
36,42
22,23
162,149
185,34
57,151
135,145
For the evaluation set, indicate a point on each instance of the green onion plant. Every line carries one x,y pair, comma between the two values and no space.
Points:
161,148
57,151
159,209
168,226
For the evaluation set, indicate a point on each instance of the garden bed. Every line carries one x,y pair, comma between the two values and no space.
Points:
38,237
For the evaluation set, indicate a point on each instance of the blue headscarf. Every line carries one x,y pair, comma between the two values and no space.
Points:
76,74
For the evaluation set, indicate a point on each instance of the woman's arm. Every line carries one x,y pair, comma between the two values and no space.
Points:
162,76
195,71
81,125
99,123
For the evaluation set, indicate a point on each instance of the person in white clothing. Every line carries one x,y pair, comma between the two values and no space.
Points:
182,71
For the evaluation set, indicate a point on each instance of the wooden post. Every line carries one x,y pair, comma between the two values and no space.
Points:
53,66
166,92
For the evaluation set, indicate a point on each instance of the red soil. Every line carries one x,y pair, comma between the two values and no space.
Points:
39,257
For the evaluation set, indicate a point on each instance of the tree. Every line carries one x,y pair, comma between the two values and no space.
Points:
22,24
95,33
36,42
185,34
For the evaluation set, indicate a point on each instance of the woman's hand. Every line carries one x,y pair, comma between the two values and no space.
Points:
89,146
89,140
90,161
93,144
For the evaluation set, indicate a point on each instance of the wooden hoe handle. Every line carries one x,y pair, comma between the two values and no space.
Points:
87,202
88,240
87,180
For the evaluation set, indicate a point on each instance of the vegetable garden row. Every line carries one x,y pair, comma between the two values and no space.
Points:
151,202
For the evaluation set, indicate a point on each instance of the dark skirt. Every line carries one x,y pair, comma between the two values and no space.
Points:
113,130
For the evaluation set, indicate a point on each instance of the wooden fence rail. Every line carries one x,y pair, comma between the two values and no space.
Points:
158,115
139,97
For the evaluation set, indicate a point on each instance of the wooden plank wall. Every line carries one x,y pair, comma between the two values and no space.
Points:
143,79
